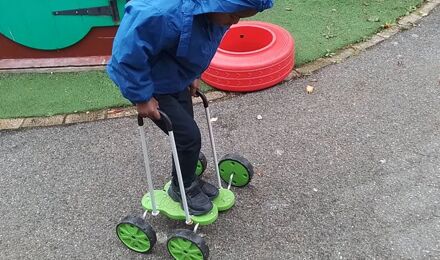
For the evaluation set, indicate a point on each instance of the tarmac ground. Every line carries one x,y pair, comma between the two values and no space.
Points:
349,171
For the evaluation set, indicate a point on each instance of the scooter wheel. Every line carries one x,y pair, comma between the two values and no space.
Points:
201,164
185,244
237,165
136,234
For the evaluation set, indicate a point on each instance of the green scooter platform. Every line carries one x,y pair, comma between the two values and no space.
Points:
224,201
167,206
172,209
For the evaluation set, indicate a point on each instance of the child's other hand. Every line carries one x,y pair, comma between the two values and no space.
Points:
195,85
149,109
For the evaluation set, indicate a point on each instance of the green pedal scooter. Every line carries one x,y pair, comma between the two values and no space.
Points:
138,235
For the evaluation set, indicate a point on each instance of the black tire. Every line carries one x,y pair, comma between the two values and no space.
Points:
201,164
136,234
237,165
183,243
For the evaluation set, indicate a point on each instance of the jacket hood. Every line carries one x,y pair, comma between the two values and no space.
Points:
191,8
196,7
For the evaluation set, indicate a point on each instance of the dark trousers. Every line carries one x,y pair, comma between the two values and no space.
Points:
179,109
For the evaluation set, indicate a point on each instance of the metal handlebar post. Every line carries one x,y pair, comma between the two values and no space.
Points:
169,128
211,135
141,128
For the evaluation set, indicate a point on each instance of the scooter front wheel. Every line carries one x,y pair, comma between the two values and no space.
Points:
185,244
136,234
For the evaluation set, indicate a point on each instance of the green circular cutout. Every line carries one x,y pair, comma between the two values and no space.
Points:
133,237
229,167
181,248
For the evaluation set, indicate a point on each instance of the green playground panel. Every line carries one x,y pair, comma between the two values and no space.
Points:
33,23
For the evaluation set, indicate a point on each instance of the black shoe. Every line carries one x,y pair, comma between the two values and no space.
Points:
210,190
198,202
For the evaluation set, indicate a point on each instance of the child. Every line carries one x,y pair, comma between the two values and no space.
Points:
159,52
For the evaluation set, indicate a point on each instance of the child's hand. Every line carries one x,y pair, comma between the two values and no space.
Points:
195,85
149,109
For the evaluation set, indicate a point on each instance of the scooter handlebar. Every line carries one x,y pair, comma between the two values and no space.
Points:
203,97
166,119
163,116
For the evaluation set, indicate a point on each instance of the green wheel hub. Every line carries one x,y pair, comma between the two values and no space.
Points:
136,234
239,167
181,248
201,164
184,244
133,238
199,168
229,167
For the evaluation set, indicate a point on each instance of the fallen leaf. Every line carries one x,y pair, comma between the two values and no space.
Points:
309,89
279,152
412,8
114,111
329,33
374,19
329,53
387,25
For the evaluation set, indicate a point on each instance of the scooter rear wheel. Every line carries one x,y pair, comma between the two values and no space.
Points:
201,164
237,165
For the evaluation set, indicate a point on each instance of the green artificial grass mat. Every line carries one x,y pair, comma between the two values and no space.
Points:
319,27
44,94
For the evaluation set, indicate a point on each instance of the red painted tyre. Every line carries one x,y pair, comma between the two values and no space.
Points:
252,56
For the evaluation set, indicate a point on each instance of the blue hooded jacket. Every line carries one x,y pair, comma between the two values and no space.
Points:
163,45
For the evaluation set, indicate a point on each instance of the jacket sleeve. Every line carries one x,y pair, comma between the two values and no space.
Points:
142,34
